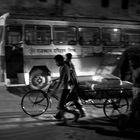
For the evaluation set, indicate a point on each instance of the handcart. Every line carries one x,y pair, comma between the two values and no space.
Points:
112,95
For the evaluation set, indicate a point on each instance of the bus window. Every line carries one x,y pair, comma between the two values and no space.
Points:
14,34
37,35
1,30
131,37
89,36
64,35
111,36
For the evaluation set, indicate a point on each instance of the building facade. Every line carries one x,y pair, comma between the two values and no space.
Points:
106,9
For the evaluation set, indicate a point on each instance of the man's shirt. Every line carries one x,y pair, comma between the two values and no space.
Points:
64,76
73,79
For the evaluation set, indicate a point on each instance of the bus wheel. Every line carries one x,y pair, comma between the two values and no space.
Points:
39,79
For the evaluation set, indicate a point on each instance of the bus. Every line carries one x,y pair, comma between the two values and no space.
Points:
28,46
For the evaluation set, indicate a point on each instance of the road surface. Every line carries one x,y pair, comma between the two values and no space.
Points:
16,125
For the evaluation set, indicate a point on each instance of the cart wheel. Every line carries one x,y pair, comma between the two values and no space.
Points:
114,107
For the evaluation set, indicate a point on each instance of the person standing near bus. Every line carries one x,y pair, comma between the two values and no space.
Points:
134,61
132,57
74,85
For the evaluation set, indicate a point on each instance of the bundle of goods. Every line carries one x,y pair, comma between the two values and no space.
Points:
104,85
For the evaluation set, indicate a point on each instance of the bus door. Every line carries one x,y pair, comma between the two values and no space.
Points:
14,55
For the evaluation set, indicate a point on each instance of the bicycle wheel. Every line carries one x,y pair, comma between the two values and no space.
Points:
35,102
114,107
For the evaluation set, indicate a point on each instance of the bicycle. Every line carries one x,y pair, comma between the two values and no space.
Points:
36,102
114,101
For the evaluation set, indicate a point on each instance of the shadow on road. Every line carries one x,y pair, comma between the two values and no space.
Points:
105,127
102,125
19,91
133,134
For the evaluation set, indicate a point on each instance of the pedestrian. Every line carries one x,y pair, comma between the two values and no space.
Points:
70,64
131,64
124,68
135,66
63,83
132,57
74,85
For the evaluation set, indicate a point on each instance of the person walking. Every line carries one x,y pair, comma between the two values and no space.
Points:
74,86
70,64
63,83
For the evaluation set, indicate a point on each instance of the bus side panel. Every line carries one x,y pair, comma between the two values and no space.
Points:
85,66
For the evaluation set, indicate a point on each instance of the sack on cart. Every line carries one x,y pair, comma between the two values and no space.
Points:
105,85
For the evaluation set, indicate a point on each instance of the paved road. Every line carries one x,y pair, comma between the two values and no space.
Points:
16,125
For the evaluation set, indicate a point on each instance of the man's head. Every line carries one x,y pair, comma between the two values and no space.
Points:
59,59
68,56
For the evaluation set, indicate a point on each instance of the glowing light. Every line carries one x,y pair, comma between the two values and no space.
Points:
115,29
80,29
98,78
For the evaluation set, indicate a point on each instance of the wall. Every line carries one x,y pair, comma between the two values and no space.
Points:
87,8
